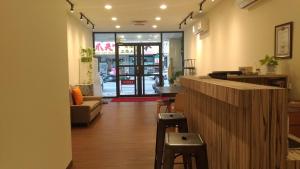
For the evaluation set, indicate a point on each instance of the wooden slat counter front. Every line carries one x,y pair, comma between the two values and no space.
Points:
244,125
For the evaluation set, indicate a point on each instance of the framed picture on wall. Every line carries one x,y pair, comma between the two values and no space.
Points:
284,41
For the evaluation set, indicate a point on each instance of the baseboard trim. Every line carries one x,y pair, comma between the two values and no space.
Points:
70,165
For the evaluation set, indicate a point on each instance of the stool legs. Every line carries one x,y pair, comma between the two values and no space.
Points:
201,159
160,133
187,161
168,159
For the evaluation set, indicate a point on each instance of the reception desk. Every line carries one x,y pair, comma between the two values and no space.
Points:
244,125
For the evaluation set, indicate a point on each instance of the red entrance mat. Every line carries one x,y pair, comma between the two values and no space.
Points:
135,99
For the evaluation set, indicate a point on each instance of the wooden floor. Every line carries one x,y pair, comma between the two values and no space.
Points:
123,138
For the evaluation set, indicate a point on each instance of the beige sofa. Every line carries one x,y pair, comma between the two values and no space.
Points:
87,111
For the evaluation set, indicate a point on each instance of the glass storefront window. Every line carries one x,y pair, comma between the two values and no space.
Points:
105,53
141,55
172,55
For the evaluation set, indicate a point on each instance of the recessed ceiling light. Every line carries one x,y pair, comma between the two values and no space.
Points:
139,36
108,7
118,26
114,18
163,6
122,36
154,26
158,18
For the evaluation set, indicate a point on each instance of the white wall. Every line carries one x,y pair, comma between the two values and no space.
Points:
79,36
241,37
35,127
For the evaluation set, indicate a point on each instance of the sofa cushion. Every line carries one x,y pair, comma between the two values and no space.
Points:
92,104
77,96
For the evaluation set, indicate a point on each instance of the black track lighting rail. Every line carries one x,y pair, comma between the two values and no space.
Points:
88,21
201,6
190,15
82,16
72,5
185,20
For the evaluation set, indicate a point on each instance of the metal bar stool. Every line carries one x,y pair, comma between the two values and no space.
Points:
166,120
188,144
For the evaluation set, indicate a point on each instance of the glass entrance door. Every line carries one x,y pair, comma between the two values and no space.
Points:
139,69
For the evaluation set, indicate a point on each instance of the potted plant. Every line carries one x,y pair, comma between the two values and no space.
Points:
87,57
174,77
271,62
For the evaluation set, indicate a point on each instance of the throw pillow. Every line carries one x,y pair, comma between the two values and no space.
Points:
77,96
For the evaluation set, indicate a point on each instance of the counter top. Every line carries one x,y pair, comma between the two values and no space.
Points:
231,92
257,76
228,84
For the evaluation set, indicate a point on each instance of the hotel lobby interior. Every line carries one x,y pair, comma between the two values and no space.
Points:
150,84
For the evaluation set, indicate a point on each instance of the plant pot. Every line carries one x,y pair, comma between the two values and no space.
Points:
271,69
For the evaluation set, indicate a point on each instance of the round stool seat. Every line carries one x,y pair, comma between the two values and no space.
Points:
188,144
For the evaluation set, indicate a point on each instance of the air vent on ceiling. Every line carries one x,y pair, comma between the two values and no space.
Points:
139,22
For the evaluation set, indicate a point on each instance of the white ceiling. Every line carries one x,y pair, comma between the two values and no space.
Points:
129,10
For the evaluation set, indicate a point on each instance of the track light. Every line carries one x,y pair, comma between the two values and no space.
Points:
81,16
186,19
72,6
88,21
201,6
72,9
200,9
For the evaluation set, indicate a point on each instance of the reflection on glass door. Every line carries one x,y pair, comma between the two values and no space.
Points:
151,76
127,78
139,69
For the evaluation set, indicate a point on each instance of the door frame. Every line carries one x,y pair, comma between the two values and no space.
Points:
139,59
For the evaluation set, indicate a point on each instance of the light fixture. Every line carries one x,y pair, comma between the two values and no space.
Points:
108,7
118,26
158,18
212,0
201,6
81,16
154,26
139,36
163,6
114,18
200,10
72,9
189,17
72,6
88,21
